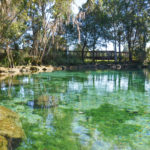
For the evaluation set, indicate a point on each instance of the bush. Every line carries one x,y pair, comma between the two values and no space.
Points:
61,58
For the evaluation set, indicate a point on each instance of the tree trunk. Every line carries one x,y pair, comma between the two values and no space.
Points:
83,51
9,56
130,51
119,49
115,52
94,44
93,54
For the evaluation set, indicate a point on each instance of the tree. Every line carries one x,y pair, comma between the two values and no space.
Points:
135,25
46,23
13,16
43,17
93,27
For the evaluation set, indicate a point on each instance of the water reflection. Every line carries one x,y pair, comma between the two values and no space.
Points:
89,110
44,101
100,82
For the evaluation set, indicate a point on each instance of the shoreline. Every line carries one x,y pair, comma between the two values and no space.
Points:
27,70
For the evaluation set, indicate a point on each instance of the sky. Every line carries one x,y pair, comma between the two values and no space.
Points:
77,3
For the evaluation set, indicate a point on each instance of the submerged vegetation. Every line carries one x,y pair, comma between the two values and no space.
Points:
111,121
81,110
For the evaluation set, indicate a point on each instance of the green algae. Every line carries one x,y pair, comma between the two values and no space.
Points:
111,121
57,136
95,110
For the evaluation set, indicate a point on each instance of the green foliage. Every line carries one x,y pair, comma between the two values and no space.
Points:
140,55
45,25
62,8
148,55
61,58
13,17
3,60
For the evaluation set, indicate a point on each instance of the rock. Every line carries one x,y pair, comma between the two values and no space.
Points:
118,67
57,68
7,113
64,67
44,69
20,70
24,69
50,68
3,143
33,68
3,70
13,71
10,127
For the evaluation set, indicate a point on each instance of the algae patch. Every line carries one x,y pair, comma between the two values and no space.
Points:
10,127
111,121
3,143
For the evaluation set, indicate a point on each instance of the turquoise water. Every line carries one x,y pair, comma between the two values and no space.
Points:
90,110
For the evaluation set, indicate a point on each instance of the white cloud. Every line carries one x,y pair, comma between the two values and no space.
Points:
77,4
